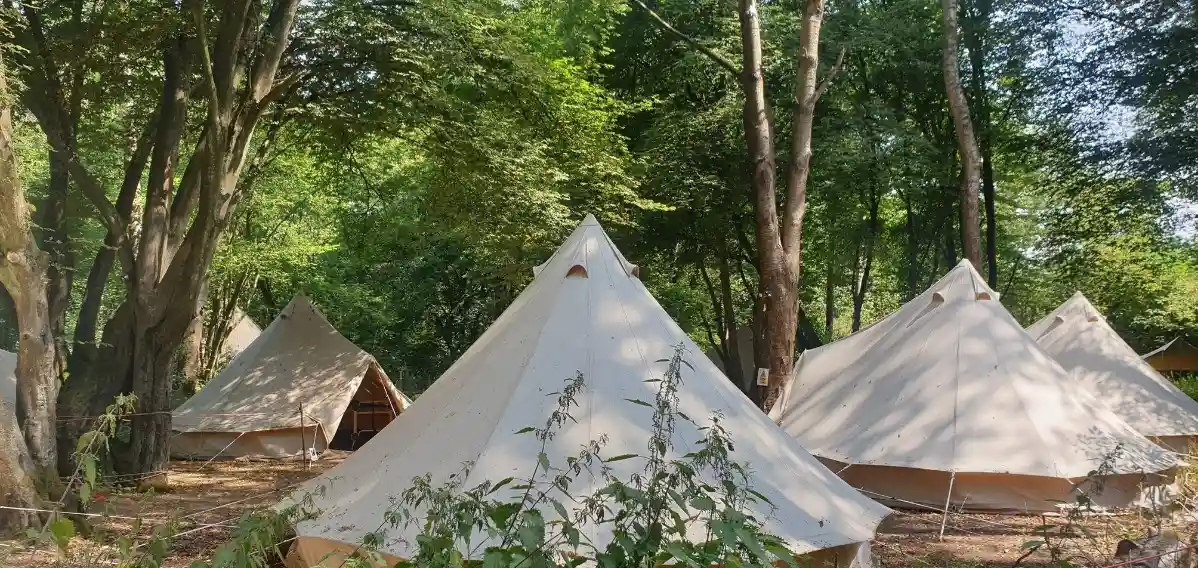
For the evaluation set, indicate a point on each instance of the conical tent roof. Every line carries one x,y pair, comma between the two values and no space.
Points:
300,358
585,312
1080,339
242,333
951,382
8,377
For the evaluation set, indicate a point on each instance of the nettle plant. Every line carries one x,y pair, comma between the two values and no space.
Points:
693,510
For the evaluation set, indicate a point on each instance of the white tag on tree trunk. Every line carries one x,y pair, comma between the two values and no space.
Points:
763,377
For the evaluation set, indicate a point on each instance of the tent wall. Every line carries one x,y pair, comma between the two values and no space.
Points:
310,552
912,488
266,444
1181,444
1172,361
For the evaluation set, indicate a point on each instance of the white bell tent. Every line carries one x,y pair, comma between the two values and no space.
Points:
1080,339
949,402
300,386
587,313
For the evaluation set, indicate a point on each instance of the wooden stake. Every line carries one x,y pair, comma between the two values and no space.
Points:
948,499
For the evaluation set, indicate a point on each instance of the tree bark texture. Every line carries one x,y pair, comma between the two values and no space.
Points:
17,472
967,146
56,243
23,268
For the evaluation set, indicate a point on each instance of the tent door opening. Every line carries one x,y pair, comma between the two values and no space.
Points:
368,413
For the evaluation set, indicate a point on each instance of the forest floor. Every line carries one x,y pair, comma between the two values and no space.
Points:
206,500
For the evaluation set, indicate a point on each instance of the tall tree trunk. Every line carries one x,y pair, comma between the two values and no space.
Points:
976,31
778,243
967,146
829,300
733,367
777,280
948,233
23,269
912,249
56,243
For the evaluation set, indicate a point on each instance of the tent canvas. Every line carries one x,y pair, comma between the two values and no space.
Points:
950,400
253,407
242,334
1176,356
1080,339
586,312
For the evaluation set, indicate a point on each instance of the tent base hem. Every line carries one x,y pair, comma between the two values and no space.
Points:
913,488
267,444
314,552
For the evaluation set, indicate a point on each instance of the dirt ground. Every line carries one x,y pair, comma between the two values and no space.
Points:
206,500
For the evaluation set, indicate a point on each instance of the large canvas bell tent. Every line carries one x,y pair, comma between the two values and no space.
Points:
587,313
300,386
950,401
1080,339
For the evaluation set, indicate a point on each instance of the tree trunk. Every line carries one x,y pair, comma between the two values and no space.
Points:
17,474
976,33
829,300
94,383
807,336
61,262
777,281
731,332
912,249
967,146
23,274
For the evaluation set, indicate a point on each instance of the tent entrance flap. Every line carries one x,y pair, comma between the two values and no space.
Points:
368,413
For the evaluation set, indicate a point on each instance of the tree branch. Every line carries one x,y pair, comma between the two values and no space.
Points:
712,55
827,80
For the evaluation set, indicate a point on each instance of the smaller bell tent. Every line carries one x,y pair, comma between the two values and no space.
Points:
1080,339
300,386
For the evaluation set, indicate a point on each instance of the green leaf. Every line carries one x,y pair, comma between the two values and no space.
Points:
63,530
702,502
501,514
1031,544
526,430
620,457
494,559
85,493
561,510
89,470
749,539
501,484
532,532
640,402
